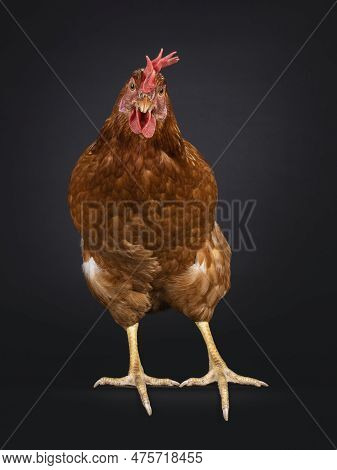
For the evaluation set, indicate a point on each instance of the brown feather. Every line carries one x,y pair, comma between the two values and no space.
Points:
146,271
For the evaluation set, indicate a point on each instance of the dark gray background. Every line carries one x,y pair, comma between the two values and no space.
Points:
231,52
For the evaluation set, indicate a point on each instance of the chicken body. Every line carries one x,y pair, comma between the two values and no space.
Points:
145,208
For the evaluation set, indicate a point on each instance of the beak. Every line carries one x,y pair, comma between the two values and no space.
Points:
144,104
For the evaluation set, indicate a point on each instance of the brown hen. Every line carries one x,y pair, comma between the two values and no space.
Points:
144,201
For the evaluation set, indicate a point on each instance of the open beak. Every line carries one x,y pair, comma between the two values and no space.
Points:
142,120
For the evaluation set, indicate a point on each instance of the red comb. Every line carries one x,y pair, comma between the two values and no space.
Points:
154,66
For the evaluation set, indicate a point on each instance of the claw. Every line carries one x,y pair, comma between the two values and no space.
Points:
148,408
225,413
186,383
101,381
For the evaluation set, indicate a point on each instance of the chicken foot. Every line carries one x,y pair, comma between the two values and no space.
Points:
136,376
219,371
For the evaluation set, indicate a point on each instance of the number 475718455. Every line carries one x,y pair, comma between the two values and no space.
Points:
167,457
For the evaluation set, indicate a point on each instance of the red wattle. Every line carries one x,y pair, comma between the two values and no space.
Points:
150,127
134,122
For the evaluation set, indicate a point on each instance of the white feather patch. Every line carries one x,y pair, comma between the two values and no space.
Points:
199,267
90,268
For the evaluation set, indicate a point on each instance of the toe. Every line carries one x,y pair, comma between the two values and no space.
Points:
240,379
200,381
119,382
190,382
160,382
142,390
223,389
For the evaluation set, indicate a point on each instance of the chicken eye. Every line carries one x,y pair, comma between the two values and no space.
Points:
132,86
161,91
